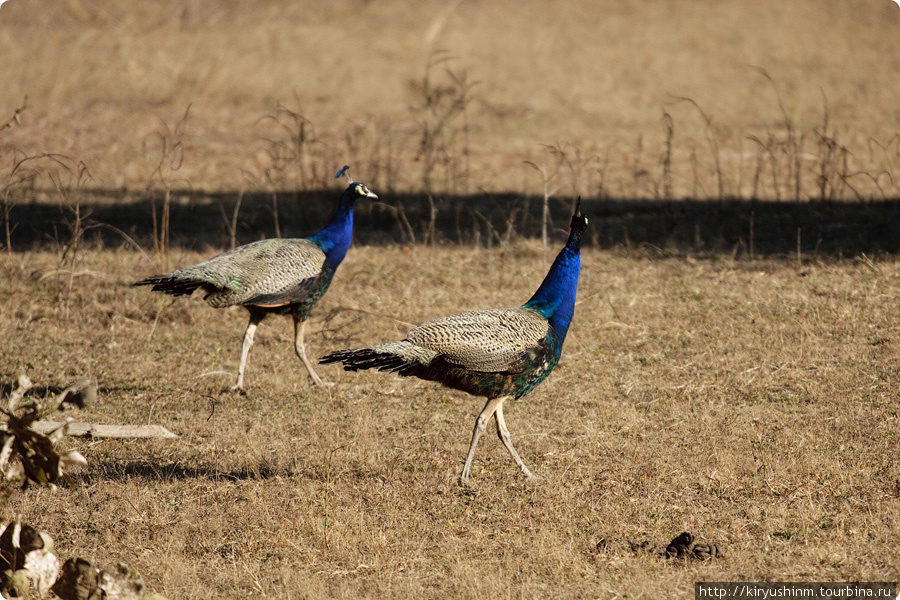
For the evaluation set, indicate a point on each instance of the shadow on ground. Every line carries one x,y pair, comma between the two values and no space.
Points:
200,220
166,471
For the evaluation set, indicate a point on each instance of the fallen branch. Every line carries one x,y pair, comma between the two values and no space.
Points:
105,431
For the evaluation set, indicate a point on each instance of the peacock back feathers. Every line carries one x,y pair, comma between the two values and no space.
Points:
486,352
486,341
267,272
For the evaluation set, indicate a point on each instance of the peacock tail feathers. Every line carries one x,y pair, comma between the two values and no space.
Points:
172,285
396,357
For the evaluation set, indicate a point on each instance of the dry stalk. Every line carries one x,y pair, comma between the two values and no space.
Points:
171,159
666,159
712,138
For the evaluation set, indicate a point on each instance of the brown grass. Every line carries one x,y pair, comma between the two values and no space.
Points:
752,403
597,75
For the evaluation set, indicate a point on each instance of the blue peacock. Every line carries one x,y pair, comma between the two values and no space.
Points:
276,276
499,354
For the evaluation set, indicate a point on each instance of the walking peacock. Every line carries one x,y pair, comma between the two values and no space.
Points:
280,276
500,354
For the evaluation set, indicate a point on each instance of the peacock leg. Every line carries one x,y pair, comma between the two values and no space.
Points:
299,327
503,432
255,318
480,425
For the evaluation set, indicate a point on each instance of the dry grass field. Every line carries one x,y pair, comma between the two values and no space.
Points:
748,398
592,78
752,403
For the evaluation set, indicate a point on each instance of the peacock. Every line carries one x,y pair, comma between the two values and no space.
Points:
500,354
274,276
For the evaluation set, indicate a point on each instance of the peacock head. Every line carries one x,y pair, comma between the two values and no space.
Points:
579,221
357,190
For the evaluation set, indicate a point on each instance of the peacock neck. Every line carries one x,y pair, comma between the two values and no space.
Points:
555,299
334,239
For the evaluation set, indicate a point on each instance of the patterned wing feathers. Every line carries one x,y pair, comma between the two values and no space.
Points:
267,272
489,341
292,293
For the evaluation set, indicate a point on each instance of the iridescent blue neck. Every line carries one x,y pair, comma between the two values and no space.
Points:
555,299
335,238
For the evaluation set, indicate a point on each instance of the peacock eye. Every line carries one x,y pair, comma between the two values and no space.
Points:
361,190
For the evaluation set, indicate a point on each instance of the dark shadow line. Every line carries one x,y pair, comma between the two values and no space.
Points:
199,221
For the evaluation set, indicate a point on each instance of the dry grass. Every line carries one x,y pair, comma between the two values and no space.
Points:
597,76
752,403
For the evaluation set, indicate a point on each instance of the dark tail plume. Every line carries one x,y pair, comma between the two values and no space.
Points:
367,358
172,285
